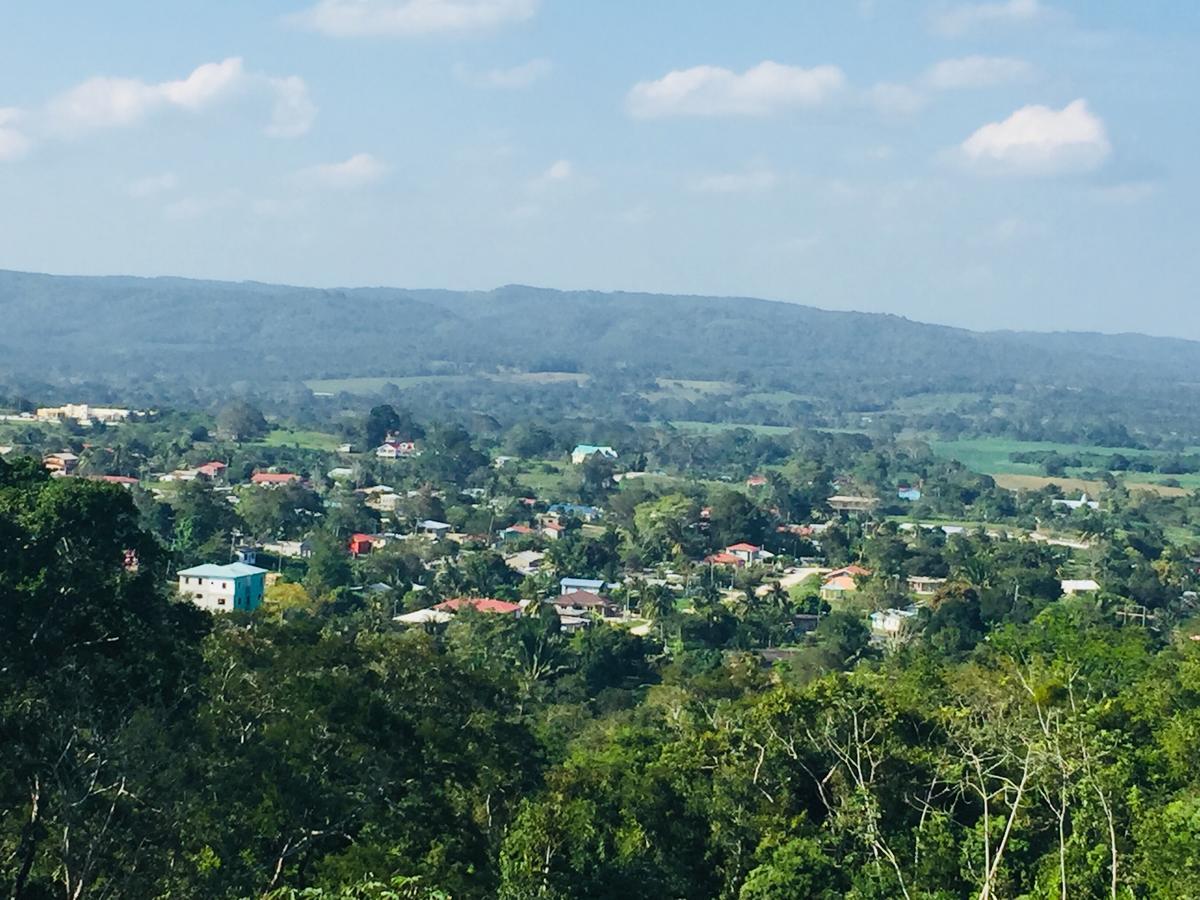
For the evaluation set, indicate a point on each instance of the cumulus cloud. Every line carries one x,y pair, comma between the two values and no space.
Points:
14,143
762,90
1038,140
108,102
977,72
153,184
513,78
359,170
751,181
408,18
957,21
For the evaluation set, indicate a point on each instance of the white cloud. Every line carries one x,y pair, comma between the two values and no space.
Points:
750,181
1038,140
513,78
292,112
359,170
13,142
107,102
408,18
896,99
713,91
977,72
558,172
963,19
153,184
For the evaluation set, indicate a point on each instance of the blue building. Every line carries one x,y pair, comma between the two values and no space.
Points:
236,586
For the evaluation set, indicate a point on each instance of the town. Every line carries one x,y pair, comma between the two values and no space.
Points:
419,523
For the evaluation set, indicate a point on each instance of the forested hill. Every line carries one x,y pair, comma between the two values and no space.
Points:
117,328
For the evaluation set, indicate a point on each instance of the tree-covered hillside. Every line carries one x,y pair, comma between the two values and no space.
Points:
92,327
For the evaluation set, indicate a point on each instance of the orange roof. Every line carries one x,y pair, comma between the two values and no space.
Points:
482,604
273,477
851,570
744,547
118,479
724,559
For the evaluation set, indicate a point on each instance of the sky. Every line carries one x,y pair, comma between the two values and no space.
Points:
1023,164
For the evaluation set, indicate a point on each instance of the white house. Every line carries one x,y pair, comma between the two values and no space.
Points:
891,623
395,449
581,453
236,586
1079,586
1083,501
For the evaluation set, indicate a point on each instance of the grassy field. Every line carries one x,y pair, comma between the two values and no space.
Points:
375,384
714,427
369,385
991,455
1080,485
305,440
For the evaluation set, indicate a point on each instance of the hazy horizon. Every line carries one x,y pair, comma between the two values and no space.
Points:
1013,164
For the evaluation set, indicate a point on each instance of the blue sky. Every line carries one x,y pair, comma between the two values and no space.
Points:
1003,164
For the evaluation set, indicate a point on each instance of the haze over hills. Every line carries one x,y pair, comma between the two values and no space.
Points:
59,327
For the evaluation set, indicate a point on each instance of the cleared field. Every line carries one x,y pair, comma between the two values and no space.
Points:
686,389
991,455
1015,482
714,427
374,384
305,440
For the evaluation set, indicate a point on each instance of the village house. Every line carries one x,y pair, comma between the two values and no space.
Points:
274,479
892,623
433,528
63,463
123,480
749,554
553,530
569,586
852,504
362,544
725,559
908,492
579,609
1079,586
516,532
235,586
840,582
480,604
527,562
583,452
755,481
395,449
924,586
212,470
576,510
83,414
1083,502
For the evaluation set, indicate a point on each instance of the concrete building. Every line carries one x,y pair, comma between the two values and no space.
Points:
235,586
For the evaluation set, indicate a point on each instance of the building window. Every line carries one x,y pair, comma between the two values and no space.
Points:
220,601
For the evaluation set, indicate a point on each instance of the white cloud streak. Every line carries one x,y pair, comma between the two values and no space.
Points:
359,170
410,18
1038,140
108,102
748,182
14,143
509,79
957,21
763,90
977,72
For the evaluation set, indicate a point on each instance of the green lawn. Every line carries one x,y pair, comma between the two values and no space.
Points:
991,455
305,440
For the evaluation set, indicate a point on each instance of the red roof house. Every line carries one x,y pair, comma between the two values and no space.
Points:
213,469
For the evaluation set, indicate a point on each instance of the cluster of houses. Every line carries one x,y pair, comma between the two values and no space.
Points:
581,602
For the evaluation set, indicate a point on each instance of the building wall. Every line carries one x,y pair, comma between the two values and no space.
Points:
223,594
